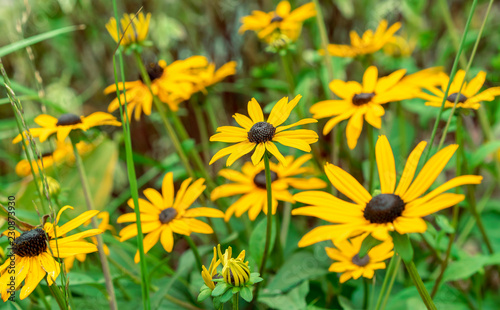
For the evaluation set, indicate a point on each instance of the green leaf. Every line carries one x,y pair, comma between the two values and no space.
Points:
466,267
297,268
246,294
220,288
204,294
403,247
293,300
444,224
227,296
482,152
35,39
258,240
367,245
345,303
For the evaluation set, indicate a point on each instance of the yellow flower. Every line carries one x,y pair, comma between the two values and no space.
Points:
351,265
103,226
172,84
259,134
66,123
283,21
469,97
369,43
33,259
132,30
161,216
235,271
358,101
398,46
400,209
208,275
251,182
63,153
209,76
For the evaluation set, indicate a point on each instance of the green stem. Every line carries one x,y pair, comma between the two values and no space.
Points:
102,256
289,75
366,295
390,270
445,10
202,126
54,289
236,298
452,75
371,152
196,253
132,178
393,278
422,290
41,295
287,216
269,214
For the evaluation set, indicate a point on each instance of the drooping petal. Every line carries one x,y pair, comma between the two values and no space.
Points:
386,165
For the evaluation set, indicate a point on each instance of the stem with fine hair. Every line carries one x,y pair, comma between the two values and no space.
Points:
196,253
422,290
102,256
452,75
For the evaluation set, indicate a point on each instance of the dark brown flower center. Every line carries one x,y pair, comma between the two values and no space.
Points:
260,178
261,132
30,243
167,215
363,98
384,208
154,72
453,97
361,262
68,119
277,18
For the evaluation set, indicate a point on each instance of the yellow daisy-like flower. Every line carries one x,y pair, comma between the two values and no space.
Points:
283,21
260,135
235,271
398,209
398,46
103,226
66,123
360,101
161,216
172,84
469,97
369,43
35,252
208,275
351,265
132,30
209,76
63,153
251,182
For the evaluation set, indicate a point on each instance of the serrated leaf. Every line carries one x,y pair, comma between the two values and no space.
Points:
402,246
246,294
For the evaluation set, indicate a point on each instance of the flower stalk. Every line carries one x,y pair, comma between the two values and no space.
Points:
196,253
422,290
102,256
269,213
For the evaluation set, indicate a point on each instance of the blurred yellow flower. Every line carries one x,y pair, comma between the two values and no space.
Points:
351,265
63,153
161,216
398,46
469,97
132,30
398,209
260,135
283,21
251,182
360,101
369,43
66,123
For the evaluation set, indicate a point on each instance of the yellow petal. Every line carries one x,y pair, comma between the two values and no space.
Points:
386,165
